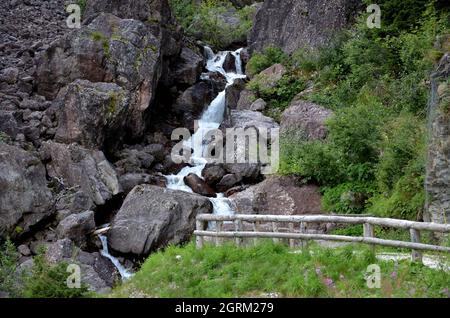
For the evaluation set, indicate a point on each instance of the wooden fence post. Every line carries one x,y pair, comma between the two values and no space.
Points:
291,230
369,232
275,229
416,256
255,229
238,227
218,229
199,239
303,243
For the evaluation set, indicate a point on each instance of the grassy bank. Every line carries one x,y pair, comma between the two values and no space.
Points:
273,270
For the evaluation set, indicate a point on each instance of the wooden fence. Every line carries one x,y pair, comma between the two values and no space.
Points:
296,230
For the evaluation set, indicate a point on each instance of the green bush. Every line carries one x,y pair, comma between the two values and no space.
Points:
203,20
50,280
346,198
9,279
260,61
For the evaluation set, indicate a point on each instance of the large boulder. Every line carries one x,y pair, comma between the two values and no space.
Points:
233,93
278,195
247,119
77,227
304,120
91,114
293,24
109,49
188,67
87,170
152,217
25,199
193,101
199,186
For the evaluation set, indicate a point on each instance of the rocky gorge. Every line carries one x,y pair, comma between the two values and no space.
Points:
86,122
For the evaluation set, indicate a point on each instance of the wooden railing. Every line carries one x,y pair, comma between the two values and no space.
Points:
296,230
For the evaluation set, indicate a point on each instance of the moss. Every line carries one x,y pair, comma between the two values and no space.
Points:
100,37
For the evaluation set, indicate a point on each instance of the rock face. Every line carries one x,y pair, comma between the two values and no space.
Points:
278,195
25,199
109,49
438,172
88,170
77,227
152,217
143,10
188,67
91,114
291,24
304,120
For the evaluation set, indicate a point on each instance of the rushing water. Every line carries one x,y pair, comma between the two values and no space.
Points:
124,273
211,119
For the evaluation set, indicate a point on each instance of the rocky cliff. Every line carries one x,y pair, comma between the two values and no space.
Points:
291,24
438,166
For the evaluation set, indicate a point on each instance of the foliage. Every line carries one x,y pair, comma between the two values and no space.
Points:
346,198
268,57
205,21
8,267
375,81
50,280
229,271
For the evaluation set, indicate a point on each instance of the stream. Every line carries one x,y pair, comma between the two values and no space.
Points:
211,119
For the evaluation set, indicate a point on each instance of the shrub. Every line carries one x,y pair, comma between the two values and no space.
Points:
9,280
50,281
204,21
260,61
346,198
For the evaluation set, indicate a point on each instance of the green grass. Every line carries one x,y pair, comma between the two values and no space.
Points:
229,271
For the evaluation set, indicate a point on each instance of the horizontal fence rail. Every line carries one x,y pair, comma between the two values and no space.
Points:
296,230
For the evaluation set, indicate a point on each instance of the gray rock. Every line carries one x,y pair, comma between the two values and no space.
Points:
109,49
77,227
278,195
213,174
130,180
9,75
85,169
438,172
258,105
91,114
228,181
246,99
24,250
292,24
188,67
199,186
152,217
233,93
229,64
305,120
25,199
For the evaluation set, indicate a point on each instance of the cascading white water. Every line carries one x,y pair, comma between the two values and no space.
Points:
211,119
124,273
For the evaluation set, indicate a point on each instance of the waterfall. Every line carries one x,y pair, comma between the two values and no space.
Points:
124,273
211,119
